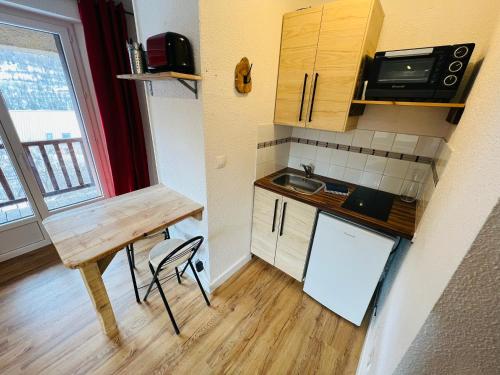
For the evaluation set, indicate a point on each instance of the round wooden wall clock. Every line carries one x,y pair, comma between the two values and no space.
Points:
243,77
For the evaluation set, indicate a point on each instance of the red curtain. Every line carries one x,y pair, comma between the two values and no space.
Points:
105,32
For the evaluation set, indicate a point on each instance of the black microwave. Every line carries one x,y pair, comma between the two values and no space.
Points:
421,74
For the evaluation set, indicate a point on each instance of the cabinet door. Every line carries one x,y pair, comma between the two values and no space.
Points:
265,223
299,39
343,38
297,221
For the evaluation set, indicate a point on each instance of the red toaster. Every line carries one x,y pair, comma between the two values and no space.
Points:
170,52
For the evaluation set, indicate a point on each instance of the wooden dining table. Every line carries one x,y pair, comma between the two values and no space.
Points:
88,237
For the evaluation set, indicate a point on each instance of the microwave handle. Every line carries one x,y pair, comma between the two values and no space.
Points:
409,52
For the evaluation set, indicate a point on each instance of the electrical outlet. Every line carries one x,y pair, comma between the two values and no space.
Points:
199,266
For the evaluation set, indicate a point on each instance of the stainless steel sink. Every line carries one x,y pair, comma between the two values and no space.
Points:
298,183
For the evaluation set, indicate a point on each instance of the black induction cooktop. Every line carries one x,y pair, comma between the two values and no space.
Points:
370,202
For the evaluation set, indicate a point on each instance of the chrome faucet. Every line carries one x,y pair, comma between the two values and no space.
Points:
308,169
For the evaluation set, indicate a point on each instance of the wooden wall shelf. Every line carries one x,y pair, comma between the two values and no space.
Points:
410,104
162,76
454,115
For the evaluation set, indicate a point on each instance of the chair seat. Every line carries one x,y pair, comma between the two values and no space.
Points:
162,249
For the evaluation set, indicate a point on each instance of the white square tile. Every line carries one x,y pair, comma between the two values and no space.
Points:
416,185
391,184
309,152
299,132
371,180
312,134
281,131
404,143
294,162
321,168
375,164
260,155
336,172
443,155
339,157
323,154
306,161
396,168
417,172
283,151
269,153
383,141
299,149
260,170
266,168
356,160
362,138
325,136
352,175
295,149
265,133
345,138
427,146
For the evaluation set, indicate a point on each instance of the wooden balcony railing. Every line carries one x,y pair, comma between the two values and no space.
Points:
53,167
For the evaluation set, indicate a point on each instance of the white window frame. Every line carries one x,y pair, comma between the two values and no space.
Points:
71,35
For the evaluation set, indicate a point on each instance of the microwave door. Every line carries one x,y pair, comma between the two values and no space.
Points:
406,70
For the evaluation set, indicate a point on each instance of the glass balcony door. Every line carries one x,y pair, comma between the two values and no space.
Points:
20,220
38,94
46,160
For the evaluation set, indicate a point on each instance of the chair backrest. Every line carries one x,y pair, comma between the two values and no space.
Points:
183,252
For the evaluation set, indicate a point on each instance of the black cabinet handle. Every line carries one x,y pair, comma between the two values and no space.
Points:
302,100
283,218
274,217
313,95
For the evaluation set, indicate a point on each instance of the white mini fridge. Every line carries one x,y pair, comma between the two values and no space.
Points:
345,265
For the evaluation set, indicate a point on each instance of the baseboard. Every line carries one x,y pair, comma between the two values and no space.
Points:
230,272
24,250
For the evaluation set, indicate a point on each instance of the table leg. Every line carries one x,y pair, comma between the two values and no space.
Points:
95,286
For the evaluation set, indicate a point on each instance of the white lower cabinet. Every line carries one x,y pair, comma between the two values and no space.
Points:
281,231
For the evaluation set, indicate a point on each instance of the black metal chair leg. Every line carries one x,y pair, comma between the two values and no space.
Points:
178,276
198,281
152,282
158,285
184,270
132,273
166,234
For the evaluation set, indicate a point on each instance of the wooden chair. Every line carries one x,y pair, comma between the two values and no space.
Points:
166,257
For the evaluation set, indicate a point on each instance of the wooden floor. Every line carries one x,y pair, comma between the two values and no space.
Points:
260,322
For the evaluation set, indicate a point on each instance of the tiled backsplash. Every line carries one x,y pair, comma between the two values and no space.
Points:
441,158
380,160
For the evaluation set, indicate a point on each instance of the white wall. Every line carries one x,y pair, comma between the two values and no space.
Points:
67,9
229,31
175,114
461,334
462,200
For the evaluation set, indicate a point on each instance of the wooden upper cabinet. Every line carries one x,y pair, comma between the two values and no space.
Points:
349,31
299,40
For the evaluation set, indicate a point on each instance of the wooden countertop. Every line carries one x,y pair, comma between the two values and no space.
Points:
401,220
92,232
